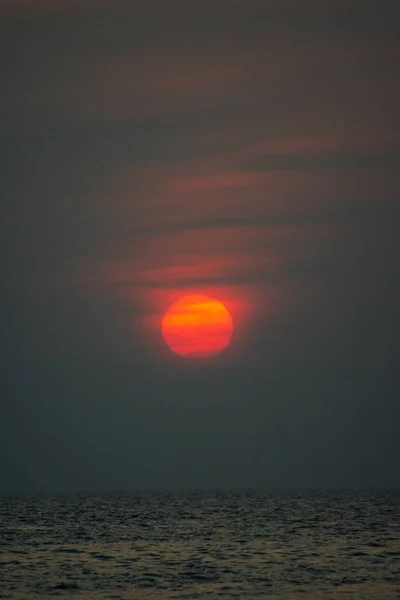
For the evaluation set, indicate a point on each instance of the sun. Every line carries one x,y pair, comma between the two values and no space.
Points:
197,326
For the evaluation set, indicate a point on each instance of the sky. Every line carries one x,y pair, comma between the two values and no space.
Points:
249,151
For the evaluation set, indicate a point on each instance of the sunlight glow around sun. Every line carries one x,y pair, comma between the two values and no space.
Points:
197,326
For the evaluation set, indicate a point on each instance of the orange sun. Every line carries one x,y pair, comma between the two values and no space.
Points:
197,326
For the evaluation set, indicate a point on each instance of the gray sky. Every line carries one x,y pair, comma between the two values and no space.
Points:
249,151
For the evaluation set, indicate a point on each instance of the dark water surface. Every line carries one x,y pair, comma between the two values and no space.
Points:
305,545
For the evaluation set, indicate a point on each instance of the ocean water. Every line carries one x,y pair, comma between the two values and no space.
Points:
298,545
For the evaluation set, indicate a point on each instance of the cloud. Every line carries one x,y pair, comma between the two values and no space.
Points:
140,85
35,7
68,6
216,69
215,182
350,150
362,141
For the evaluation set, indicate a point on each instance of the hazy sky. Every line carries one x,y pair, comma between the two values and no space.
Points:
246,150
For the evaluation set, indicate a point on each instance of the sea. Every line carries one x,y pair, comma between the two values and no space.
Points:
300,545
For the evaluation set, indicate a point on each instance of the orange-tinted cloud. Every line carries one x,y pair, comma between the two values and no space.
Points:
351,142
215,182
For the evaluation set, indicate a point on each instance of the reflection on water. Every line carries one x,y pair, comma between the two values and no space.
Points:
192,545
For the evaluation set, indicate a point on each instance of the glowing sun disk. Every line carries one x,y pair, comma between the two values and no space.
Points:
197,326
